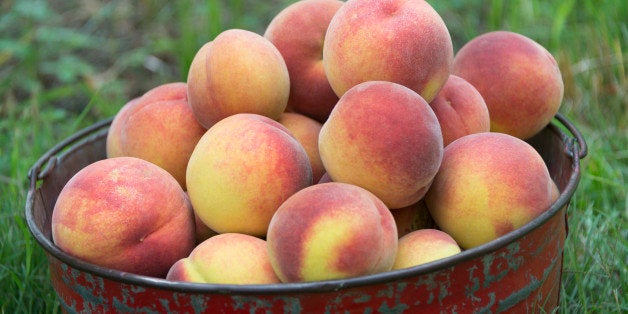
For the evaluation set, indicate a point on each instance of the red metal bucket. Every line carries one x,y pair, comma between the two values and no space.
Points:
518,272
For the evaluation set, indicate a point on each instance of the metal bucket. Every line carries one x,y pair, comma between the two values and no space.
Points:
518,272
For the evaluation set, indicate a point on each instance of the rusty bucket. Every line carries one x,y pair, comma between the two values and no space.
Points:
518,272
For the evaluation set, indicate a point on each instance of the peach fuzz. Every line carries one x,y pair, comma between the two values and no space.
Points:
331,231
406,42
159,127
412,217
460,110
298,32
489,184
228,258
306,131
125,214
518,78
424,246
238,72
385,138
242,169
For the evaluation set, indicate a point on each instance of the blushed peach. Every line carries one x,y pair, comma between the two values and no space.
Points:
460,110
298,32
518,78
242,169
405,42
489,184
238,72
385,138
331,231
228,258
125,214
424,246
159,127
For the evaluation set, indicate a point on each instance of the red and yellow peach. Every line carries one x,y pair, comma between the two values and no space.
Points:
159,127
298,32
489,184
228,258
242,169
405,42
126,214
331,231
238,72
385,138
518,78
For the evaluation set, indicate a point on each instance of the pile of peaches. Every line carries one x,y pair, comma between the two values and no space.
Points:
349,139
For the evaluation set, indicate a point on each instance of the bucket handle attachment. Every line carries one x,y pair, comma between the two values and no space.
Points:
582,150
49,159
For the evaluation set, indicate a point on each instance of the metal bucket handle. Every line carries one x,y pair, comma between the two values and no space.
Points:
581,150
50,159
576,148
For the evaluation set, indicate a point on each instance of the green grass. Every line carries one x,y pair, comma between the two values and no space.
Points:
68,65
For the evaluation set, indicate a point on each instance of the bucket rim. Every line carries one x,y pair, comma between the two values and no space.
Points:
575,148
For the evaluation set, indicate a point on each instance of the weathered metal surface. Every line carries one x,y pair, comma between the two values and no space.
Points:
519,272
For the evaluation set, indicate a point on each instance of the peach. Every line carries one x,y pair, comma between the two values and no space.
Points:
228,258
306,131
159,127
424,246
383,137
238,72
331,231
175,91
489,184
460,110
242,169
405,42
124,213
298,32
411,218
518,78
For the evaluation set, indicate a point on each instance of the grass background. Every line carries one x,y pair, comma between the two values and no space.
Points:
67,64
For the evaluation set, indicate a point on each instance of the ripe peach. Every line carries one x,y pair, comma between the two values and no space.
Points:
424,246
238,72
298,32
518,78
460,110
242,169
159,127
411,218
306,131
331,231
385,138
126,214
488,185
406,42
228,258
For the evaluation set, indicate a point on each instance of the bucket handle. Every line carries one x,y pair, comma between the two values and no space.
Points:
576,148
49,159
582,150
